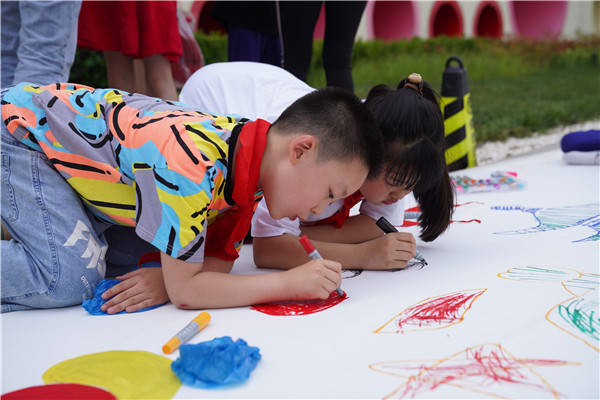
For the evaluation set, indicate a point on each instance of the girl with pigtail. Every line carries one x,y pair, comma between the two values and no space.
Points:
412,125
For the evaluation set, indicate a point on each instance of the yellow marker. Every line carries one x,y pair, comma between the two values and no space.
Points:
187,333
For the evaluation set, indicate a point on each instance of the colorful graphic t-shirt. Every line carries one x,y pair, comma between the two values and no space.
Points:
158,165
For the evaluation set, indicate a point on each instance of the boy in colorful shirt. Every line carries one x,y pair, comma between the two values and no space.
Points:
412,127
77,160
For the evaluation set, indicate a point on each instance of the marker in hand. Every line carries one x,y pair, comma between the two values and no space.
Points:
187,333
412,214
314,255
385,226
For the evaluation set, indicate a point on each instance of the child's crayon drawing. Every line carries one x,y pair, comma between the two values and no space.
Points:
559,218
579,315
433,313
60,391
487,369
289,308
351,273
540,274
409,265
411,215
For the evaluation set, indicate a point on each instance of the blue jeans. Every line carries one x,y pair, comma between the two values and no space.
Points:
55,258
39,39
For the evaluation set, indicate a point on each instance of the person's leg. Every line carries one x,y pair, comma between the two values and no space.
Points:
5,233
298,20
246,45
341,23
125,248
48,40
140,77
120,71
11,24
271,50
54,258
242,44
159,77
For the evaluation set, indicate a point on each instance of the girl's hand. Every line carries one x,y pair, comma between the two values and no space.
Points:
390,251
144,287
314,280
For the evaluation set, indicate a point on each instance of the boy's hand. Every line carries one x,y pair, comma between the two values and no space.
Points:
315,279
390,251
139,289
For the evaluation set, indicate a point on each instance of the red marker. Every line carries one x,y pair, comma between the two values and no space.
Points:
314,255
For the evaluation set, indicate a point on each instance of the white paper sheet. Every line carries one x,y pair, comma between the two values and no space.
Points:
492,315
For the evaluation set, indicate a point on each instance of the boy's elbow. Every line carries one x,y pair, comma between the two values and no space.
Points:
179,301
182,296
185,303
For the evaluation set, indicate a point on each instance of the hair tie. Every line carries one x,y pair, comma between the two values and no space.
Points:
414,81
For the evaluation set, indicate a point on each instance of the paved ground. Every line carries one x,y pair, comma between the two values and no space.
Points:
491,152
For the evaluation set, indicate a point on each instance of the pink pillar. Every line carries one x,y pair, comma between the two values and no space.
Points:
392,20
538,19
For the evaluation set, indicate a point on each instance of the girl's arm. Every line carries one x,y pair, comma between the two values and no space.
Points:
191,286
384,252
357,229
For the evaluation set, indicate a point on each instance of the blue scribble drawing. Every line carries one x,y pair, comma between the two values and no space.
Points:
559,218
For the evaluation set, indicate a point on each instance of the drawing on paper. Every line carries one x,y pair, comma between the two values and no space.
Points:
582,314
411,215
540,274
559,218
487,369
351,273
433,313
579,315
289,308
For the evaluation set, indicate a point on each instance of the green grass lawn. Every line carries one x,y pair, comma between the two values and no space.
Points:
517,87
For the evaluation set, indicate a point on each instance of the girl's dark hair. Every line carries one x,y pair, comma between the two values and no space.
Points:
412,126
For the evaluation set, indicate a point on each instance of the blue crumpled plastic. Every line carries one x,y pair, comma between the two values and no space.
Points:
93,305
215,363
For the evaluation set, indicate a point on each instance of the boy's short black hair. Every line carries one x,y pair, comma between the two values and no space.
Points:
343,126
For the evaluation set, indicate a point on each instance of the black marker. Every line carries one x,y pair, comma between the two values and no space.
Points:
385,226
